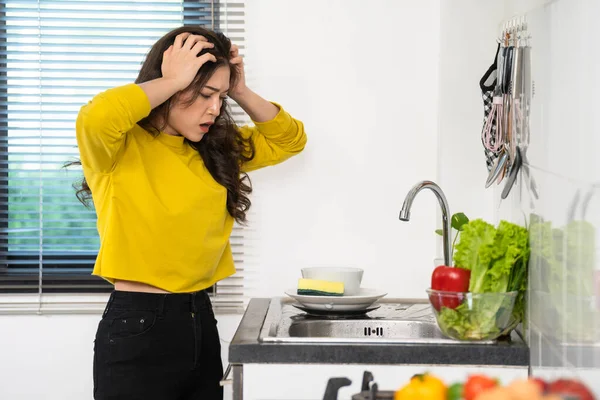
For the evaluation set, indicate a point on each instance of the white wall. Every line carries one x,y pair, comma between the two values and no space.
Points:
368,97
375,84
467,48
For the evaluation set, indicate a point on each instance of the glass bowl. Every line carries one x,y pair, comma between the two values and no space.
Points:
472,316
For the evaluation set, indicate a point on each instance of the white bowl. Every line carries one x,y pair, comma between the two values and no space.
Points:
351,277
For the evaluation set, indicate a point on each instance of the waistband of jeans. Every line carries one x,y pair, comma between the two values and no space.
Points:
159,302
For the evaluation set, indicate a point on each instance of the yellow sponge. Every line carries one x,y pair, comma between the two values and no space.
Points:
313,287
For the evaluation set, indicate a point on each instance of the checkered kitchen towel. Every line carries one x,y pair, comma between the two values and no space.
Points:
487,85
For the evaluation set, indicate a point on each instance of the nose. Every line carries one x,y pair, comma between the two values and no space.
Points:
213,108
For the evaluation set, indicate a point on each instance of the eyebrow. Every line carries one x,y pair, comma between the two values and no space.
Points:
215,89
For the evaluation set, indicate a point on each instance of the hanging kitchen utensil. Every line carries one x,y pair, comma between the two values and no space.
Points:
497,169
506,91
508,111
503,171
493,76
514,171
520,99
513,112
497,174
516,88
526,97
508,62
495,143
489,135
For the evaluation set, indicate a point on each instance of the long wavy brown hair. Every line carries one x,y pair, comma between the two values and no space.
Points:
223,149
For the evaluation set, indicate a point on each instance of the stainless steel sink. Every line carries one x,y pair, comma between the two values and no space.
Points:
395,321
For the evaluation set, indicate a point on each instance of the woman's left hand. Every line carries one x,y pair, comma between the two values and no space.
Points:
238,62
257,108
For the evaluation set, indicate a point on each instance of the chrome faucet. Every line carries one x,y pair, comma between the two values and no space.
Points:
446,223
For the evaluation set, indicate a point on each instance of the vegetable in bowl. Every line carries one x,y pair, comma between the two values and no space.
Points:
480,316
497,259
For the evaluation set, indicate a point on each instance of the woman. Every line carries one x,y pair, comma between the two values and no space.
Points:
166,168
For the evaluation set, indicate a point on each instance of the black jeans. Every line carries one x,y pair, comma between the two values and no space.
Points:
158,346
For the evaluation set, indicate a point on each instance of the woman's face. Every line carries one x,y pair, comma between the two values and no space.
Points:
194,121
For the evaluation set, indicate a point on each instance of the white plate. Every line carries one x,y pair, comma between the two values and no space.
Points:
337,313
364,299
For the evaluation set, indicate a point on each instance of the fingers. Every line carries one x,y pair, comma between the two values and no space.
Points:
180,38
201,45
187,40
236,60
234,51
205,58
192,40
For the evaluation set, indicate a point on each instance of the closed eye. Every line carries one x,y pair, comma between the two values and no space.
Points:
209,96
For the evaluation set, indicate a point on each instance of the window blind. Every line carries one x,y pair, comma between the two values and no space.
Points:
55,55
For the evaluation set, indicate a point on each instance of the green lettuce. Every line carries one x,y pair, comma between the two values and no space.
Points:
476,319
497,259
474,251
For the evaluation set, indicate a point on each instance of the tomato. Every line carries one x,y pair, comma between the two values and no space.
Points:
540,382
570,387
477,384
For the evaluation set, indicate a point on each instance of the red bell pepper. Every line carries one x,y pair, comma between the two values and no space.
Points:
449,279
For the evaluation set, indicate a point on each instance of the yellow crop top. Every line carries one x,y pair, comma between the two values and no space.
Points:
162,218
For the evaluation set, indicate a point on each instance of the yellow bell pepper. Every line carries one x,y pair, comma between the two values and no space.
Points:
422,387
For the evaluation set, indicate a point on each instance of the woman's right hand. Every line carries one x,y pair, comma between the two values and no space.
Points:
181,62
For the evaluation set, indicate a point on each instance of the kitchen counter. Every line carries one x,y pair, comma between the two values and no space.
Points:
248,348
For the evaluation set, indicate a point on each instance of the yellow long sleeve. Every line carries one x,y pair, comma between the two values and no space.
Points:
162,218
275,141
103,123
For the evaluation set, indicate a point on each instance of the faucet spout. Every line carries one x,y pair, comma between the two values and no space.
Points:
446,223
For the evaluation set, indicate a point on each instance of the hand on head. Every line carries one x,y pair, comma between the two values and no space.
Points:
238,62
181,61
